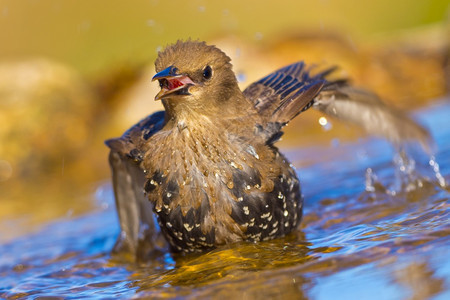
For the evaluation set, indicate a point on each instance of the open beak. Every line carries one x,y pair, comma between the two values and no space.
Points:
172,83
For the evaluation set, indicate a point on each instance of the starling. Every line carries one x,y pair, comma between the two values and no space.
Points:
207,165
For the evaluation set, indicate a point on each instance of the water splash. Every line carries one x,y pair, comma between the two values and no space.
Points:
435,167
371,178
408,176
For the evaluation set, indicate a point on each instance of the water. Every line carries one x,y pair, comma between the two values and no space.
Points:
376,226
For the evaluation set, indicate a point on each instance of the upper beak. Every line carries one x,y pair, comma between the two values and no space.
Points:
167,72
172,82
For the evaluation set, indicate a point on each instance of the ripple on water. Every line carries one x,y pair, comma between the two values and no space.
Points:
373,227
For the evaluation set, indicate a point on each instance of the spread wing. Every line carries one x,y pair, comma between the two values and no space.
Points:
369,112
282,95
138,233
285,93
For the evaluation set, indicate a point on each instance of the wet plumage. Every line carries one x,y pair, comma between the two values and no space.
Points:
208,164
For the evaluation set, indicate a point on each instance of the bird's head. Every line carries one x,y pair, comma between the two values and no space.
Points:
194,76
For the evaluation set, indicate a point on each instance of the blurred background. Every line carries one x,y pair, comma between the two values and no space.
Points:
74,73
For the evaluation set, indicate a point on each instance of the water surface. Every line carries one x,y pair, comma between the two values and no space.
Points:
375,226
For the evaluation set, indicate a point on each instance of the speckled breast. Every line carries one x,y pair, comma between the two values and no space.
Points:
240,208
183,229
268,215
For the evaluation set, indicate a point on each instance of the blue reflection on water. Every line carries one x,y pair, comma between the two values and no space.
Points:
71,257
379,280
362,282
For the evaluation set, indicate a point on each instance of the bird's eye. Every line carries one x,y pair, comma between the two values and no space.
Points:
207,72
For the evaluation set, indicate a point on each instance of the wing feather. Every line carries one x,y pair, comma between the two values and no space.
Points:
282,95
130,144
367,111
138,233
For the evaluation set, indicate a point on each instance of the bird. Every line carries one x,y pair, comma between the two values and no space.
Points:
207,167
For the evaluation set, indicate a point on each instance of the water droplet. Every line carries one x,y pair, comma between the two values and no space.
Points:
252,151
326,125
405,174
241,76
435,167
370,178
230,184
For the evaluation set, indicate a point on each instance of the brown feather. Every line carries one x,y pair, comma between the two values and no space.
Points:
212,172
